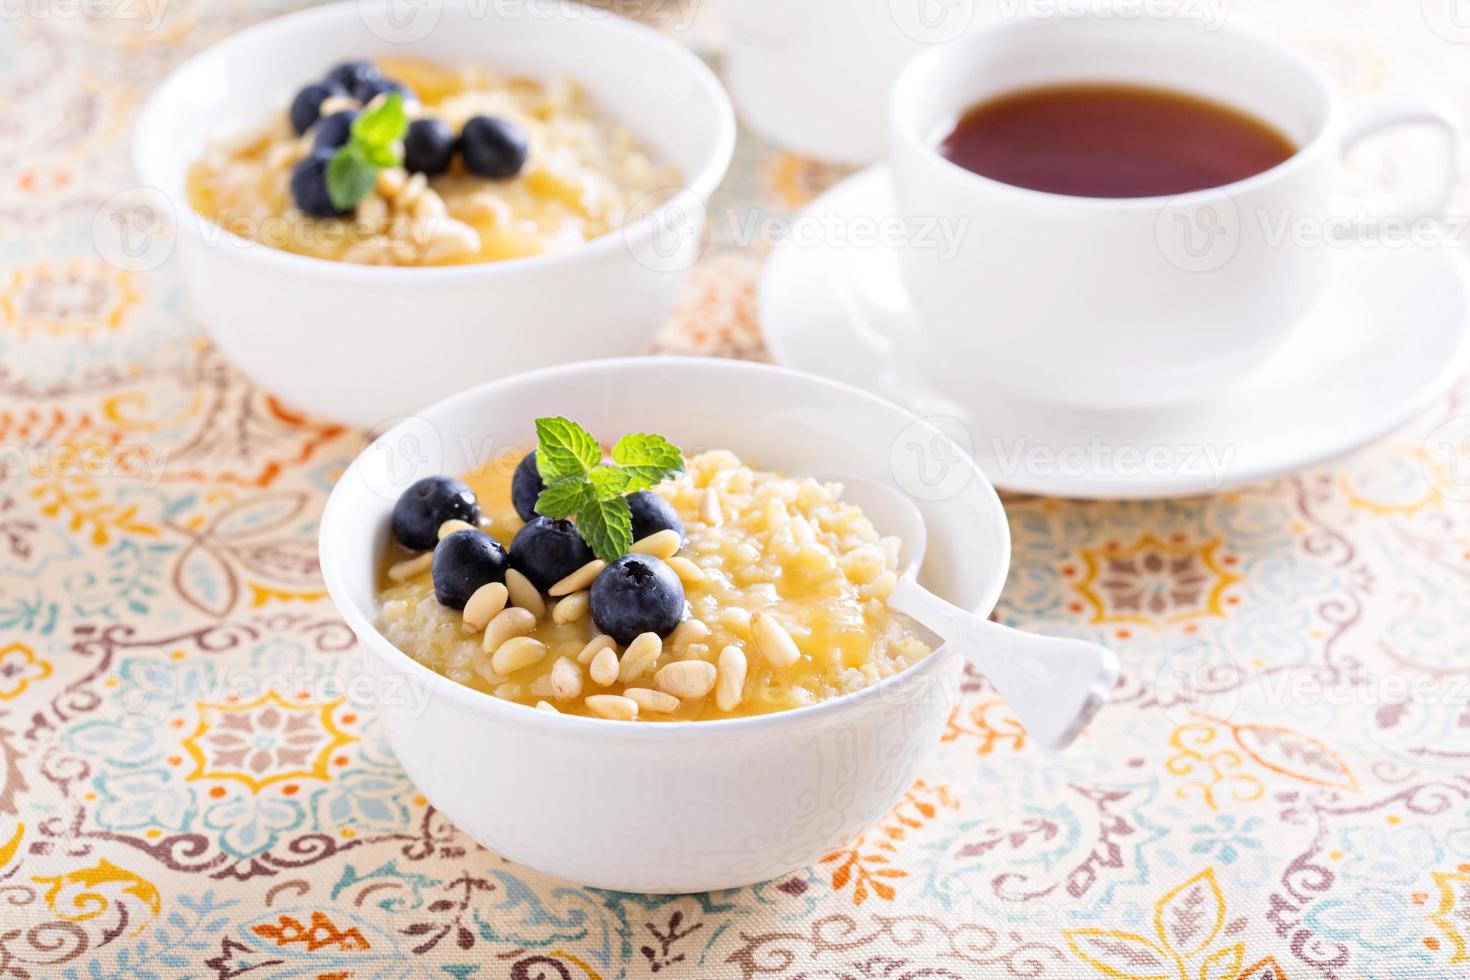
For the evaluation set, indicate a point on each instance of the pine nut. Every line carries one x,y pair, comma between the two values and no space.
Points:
612,706
509,622
412,190
572,608
687,632
482,205
641,655
651,701
336,104
663,544
444,238
374,251
730,688
516,653
429,205
547,706
772,640
484,605
449,527
709,508
372,214
688,572
686,678
580,579
735,619
391,181
523,594
566,679
598,642
408,568
604,669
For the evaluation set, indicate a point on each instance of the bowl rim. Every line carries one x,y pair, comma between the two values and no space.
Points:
501,711
702,184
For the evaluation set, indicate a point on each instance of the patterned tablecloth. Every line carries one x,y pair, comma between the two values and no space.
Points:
1281,790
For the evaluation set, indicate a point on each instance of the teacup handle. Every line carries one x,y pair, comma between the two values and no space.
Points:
1390,111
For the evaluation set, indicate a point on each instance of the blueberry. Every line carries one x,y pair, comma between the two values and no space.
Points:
651,514
525,486
429,503
547,551
352,75
306,108
370,90
637,594
494,148
334,131
309,185
463,562
428,147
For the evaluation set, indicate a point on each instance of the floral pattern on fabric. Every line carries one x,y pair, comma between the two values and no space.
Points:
190,786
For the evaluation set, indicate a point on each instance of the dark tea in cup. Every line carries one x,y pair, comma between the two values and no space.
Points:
1113,140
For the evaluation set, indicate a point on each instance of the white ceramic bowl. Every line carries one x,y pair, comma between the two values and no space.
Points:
661,807
367,344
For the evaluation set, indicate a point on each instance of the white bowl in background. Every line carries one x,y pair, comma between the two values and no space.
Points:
369,344
668,808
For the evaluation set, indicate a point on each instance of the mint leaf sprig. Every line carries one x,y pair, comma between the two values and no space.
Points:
375,143
581,486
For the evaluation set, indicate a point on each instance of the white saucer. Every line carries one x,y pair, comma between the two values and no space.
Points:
1389,339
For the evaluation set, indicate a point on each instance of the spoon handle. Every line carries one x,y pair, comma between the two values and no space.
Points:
1053,686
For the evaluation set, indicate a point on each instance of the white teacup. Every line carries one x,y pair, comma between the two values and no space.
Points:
1137,302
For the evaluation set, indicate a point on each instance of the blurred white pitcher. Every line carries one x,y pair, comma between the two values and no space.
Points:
814,75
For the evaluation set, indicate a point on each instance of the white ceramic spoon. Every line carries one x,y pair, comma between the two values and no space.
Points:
1053,686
